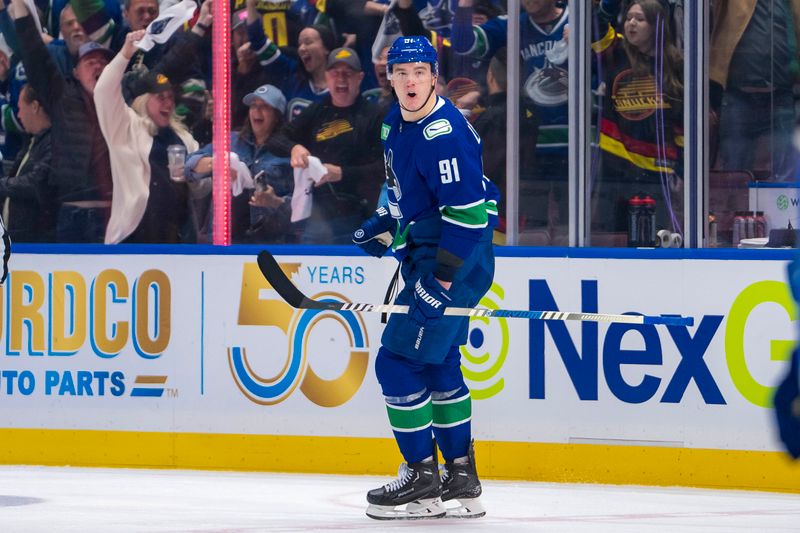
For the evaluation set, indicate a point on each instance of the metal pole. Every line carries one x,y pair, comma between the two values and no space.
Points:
512,126
695,119
578,98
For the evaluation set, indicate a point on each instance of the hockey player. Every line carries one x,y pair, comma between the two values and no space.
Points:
441,212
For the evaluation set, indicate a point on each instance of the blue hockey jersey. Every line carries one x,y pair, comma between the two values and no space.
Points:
435,179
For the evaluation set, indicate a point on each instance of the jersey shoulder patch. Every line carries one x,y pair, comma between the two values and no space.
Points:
436,128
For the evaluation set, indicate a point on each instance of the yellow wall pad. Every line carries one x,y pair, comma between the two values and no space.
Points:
574,463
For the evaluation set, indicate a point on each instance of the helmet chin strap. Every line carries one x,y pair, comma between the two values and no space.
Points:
404,108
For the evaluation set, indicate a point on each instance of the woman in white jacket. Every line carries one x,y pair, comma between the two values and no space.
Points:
147,205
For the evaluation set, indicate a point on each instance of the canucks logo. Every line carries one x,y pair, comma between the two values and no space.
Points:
395,194
437,128
486,350
283,360
158,26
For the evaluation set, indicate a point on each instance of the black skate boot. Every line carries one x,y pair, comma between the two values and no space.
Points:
460,485
415,494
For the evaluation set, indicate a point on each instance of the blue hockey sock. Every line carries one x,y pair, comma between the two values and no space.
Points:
452,415
411,425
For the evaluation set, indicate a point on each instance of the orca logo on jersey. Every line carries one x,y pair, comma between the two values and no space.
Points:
395,194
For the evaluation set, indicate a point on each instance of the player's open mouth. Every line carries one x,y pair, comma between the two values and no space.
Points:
412,95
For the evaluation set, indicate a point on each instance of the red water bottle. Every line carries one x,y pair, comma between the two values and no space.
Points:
647,225
634,212
739,229
761,224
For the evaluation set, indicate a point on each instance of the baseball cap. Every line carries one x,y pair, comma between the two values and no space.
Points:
153,84
239,18
344,55
270,95
91,46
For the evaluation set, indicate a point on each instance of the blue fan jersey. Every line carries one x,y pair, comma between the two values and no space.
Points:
435,178
544,70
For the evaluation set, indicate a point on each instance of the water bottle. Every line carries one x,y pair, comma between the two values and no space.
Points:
647,222
739,229
761,225
634,208
712,230
749,225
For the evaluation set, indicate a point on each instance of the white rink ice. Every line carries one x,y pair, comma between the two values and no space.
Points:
49,499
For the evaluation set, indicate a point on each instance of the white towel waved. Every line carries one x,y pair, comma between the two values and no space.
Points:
304,180
243,179
169,20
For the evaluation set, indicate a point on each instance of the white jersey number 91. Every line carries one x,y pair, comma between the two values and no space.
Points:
448,170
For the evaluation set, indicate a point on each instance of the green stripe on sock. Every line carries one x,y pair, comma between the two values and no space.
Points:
451,413
405,419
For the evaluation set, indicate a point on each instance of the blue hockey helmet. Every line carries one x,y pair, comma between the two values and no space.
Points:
414,49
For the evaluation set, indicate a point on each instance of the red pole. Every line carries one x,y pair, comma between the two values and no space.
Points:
221,84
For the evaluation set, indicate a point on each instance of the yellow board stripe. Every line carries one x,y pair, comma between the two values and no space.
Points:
151,379
573,463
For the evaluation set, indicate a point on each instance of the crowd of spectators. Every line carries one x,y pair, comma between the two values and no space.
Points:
89,119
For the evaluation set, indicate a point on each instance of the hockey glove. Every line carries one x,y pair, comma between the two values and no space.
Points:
430,300
374,236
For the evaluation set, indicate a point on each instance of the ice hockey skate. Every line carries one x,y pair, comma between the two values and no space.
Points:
415,494
461,488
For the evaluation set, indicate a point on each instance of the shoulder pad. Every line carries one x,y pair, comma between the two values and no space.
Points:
437,127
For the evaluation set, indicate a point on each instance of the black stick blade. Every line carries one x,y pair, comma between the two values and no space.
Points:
271,270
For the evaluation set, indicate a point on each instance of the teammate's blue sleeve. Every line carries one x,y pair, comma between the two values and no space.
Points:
451,164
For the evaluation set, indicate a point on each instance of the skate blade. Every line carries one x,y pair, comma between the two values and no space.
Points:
465,508
416,510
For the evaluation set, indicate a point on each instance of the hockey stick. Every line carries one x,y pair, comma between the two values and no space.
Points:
293,296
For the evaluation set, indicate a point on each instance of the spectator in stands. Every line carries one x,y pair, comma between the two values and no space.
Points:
65,51
245,77
194,106
27,188
138,14
544,73
382,94
752,71
284,20
81,170
357,29
303,81
451,65
12,79
148,206
343,131
267,218
641,128
491,126
101,23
